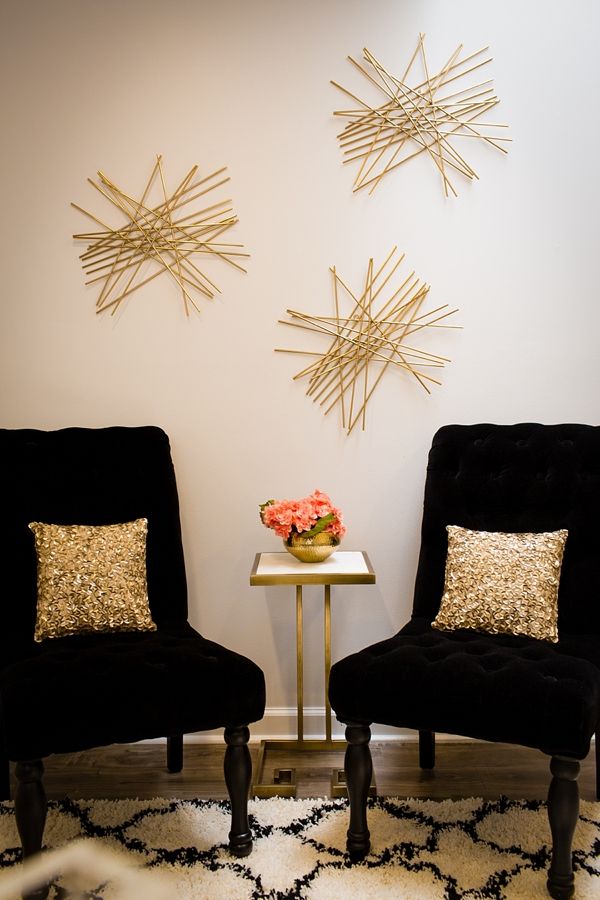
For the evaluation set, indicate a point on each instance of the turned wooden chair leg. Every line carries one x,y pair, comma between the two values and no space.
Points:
358,767
4,779
563,812
238,776
427,749
175,753
30,813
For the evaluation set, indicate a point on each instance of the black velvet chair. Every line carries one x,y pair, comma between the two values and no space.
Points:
510,478
72,693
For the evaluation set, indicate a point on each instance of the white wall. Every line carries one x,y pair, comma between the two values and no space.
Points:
90,86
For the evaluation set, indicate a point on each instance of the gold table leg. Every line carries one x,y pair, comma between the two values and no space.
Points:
284,784
327,634
299,663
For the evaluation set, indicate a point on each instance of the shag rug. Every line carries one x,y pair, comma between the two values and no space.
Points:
421,849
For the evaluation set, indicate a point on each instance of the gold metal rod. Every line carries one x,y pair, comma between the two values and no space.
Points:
126,268
391,141
331,386
320,369
358,177
382,150
388,164
359,340
392,85
401,362
207,249
139,245
434,111
123,202
442,101
157,211
399,306
363,118
412,59
133,289
418,135
378,134
337,313
366,122
158,233
366,377
112,279
414,123
416,153
299,352
299,663
468,123
440,78
327,634
350,340
379,272
418,375
506,140
341,334
179,197
333,369
402,141
421,119
367,337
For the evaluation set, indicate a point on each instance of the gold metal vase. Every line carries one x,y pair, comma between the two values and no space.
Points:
311,549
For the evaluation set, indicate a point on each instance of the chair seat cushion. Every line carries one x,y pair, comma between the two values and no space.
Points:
492,687
73,693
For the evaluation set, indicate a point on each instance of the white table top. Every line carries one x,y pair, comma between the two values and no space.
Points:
342,567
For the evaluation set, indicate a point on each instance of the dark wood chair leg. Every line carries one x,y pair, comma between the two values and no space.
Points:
563,812
427,749
175,753
4,779
238,776
30,813
359,769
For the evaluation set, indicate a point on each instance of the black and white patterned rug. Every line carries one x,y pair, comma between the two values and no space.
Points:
421,849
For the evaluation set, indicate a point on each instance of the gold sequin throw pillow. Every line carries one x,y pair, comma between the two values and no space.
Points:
502,583
91,578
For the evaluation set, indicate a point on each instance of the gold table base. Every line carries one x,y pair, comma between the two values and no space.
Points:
284,781
284,785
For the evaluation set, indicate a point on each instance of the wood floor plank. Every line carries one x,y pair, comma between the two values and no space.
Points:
463,769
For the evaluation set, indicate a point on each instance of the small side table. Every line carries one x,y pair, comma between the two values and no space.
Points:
342,567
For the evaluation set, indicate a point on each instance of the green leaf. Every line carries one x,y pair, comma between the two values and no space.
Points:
320,525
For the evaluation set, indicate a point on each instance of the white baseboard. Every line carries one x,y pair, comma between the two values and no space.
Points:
279,723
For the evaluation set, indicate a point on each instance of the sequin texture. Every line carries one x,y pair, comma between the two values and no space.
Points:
91,578
502,583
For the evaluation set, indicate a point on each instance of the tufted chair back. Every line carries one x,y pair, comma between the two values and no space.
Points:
525,477
70,693
509,688
63,477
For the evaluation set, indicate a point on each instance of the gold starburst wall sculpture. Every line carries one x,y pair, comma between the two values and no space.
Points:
156,237
372,338
435,116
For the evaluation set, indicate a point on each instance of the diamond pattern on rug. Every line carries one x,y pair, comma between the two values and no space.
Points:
455,856
421,849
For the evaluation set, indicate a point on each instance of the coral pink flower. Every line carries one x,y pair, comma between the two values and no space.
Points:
306,514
